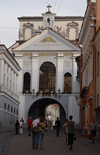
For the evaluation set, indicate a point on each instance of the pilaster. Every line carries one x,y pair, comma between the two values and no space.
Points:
35,73
1,71
59,74
74,74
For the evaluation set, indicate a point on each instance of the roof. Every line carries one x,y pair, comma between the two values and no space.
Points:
55,32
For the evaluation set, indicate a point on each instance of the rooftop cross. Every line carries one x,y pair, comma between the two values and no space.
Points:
49,7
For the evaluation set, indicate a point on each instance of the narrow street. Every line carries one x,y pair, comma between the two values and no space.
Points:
22,144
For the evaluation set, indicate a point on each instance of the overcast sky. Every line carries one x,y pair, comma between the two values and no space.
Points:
11,9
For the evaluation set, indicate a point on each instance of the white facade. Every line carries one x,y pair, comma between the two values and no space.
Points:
46,46
9,98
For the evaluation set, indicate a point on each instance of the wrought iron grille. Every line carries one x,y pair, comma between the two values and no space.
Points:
67,82
47,77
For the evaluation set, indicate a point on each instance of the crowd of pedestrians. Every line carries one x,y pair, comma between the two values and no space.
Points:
37,129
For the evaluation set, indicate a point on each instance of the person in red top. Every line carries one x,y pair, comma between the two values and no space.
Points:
29,124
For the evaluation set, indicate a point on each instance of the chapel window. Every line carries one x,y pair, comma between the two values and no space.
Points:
26,84
47,77
67,83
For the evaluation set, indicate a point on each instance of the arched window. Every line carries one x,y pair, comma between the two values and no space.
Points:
67,82
47,77
11,109
17,112
26,86
48,21
8,107
5,106
14,110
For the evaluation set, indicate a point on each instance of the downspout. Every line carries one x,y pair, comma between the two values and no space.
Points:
94,67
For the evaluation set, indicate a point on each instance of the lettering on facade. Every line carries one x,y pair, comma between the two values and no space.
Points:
67,63
26,63
47,44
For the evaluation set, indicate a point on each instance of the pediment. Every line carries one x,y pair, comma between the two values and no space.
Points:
47,40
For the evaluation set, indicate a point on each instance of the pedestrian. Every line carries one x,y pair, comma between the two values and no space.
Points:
93,128
21,127
22,120
66,131
35,137
29,125
46,124
71,131
17,127
42,125
58,125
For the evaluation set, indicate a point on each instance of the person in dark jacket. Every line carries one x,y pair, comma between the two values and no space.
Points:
17,127
58,125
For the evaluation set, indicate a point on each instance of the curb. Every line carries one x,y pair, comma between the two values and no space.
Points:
89,145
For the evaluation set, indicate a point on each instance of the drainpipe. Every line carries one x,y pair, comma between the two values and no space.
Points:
94,67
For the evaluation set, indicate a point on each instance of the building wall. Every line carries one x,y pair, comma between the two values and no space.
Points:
9,98
9,113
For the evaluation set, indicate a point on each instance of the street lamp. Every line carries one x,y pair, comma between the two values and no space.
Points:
33,92
59,92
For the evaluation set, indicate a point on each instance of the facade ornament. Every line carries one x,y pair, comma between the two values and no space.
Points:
72,25
48,39
26,26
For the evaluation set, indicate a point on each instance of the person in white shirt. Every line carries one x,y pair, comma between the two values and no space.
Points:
21,127
35,138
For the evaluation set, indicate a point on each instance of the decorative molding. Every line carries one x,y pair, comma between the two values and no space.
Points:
72,25
26,26
48,39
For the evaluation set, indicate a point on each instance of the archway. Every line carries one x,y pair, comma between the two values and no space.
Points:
38,108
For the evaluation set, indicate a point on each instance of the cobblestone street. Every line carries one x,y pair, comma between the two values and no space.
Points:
22,144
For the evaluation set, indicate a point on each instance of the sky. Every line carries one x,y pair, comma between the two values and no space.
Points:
10,10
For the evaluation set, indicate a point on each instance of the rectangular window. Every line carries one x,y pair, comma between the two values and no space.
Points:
97,63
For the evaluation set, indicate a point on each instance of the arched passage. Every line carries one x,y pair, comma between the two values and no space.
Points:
38,108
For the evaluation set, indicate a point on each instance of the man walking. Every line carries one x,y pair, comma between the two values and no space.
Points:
58,125
29,125
35,138
71,131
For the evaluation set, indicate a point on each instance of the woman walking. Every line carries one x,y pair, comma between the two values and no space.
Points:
42,125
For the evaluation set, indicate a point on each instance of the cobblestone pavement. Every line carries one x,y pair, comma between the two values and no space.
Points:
22,144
